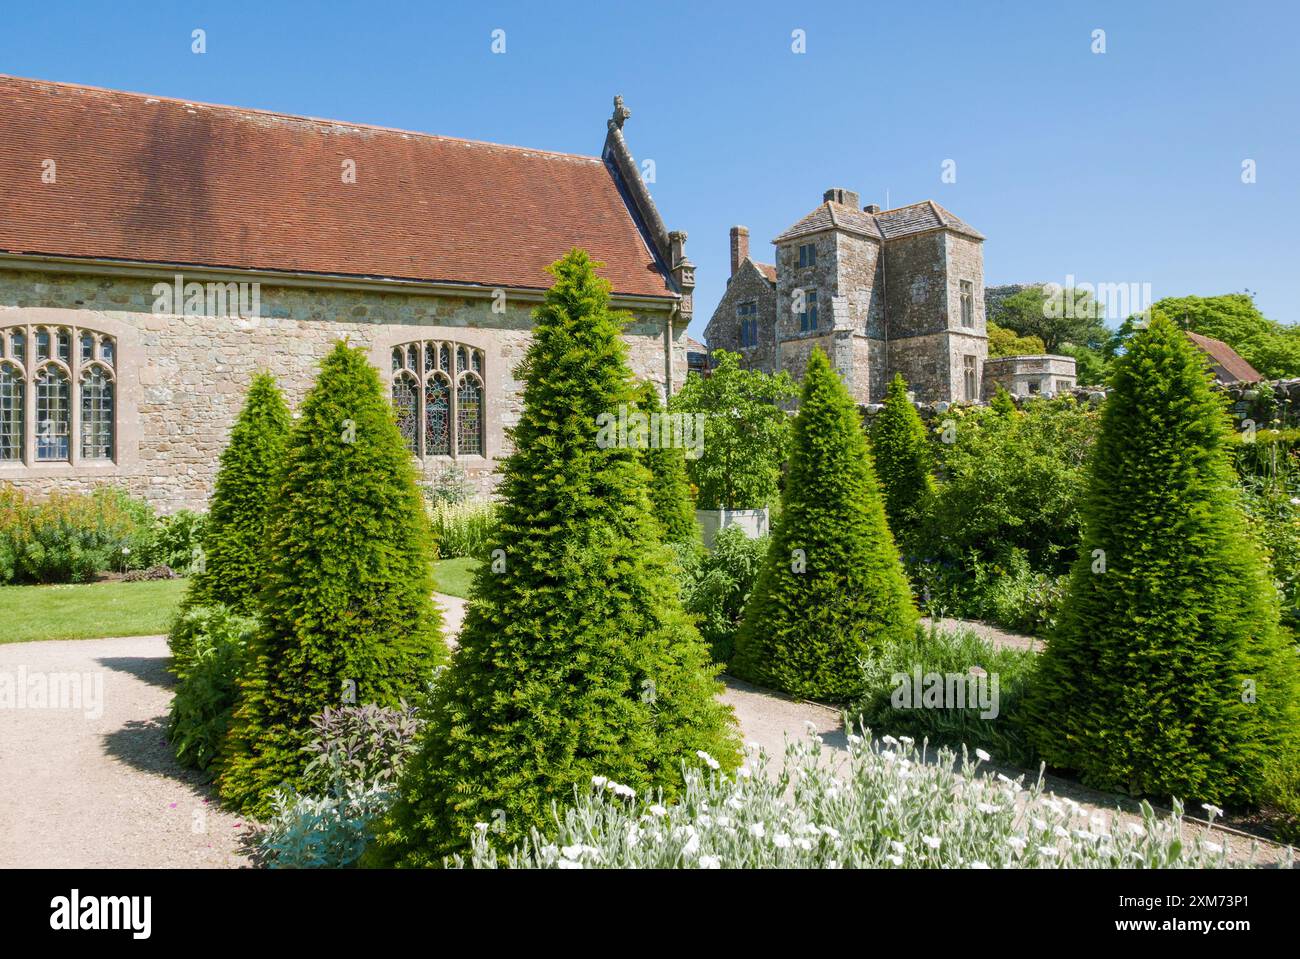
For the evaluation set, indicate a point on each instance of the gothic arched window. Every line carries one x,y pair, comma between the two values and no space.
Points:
57,383
436,418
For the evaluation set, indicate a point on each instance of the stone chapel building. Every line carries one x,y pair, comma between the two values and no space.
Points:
879,291
155,253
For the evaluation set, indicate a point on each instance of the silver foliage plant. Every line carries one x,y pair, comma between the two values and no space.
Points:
880,804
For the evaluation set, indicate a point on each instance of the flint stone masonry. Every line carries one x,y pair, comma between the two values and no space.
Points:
181,379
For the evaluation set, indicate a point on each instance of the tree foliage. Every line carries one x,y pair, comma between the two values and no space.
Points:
1056,317
670,492
831,590
746,433
347,610
1006,342
233,538
1167,674
576,659
901,450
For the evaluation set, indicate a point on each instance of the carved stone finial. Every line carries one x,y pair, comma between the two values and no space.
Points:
621,113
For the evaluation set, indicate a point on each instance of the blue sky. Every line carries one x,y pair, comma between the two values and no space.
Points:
1116,167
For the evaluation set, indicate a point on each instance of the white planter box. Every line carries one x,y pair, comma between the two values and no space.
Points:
752,521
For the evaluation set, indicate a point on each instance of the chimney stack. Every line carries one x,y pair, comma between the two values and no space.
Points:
871,208
739,247
837,194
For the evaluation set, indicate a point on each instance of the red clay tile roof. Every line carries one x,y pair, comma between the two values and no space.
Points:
165,181
1227,363
767,269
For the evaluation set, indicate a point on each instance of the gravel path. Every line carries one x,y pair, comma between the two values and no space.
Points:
93,783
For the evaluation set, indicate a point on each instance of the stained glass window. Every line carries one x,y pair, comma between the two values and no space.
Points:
406,407
106,351
64,345
53,413
11,413
469,417
42,345
87,347
18,346
437,417
96,415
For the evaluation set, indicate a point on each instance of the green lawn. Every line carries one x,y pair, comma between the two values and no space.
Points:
95,610
88,610
453,576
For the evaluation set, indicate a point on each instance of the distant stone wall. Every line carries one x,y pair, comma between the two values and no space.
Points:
181,379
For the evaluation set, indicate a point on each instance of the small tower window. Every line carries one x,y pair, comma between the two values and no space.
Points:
967,303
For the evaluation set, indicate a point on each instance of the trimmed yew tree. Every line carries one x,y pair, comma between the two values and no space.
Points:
233,558
1167,674
832,590
670,492
576,659
901,451
346,609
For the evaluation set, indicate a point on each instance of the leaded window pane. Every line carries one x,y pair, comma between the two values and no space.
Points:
18,345
437,417
87,347
469,417
478,362
42,345
413,358
53,408
106,351
397,358
96,415
405,405
444,358
460,360
64,342
11,413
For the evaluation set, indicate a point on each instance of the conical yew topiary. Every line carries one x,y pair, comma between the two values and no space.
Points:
901,451
347,607
1167,674
832,590
233,556
576,659
670,491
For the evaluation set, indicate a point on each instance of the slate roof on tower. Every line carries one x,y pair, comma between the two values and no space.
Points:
159,180
887,225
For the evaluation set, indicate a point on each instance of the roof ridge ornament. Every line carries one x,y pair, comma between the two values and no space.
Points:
621,113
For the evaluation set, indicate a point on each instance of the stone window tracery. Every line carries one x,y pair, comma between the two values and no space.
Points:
438,397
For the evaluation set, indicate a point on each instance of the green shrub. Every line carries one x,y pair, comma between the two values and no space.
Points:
449,486
831,590
887,805
463,529
746,433
901,452
1274,513
718,585
71,537
359,746
1168,674
346,607
209,646
961,654
670,493
1015,596
1010,480
175,540
575,656
233,540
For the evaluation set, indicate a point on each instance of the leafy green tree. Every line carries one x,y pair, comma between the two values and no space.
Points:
901,450
1270,347
347,610
1002,401
576,659
1005,342
1056,317
746,433
670,492
831,590
1167,674
233,559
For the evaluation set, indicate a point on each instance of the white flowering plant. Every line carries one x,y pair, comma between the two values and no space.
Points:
880,804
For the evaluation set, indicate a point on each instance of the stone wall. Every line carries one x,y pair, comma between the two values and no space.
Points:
1030,375
723,331
181,379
